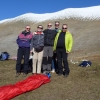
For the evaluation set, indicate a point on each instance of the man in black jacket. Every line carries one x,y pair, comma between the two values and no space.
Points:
49,35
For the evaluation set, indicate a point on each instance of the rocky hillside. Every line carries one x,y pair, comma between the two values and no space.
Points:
86,36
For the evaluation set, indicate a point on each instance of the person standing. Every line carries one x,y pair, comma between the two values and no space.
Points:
62,46
37,45
57,24
23,52
54,61
49,35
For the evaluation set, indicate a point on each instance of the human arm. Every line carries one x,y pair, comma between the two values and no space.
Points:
70,43
31,45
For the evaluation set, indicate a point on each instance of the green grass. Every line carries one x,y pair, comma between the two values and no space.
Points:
81,84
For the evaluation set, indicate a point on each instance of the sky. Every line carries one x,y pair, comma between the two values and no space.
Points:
14,8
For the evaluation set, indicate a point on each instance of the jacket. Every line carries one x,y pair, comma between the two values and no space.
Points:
24,39
49,36
37,40
68,41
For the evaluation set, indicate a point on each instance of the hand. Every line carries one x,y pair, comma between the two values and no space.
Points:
31,51
33,33
54,51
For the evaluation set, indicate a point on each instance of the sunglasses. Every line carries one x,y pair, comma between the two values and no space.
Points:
27,28
56,24
40,27
49,25
64,28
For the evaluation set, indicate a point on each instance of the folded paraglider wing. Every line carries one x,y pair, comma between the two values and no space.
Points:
32,82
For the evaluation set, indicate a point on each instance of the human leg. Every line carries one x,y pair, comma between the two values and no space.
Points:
19,59
26,59
65,62
34,62
40,56
59,61
44,62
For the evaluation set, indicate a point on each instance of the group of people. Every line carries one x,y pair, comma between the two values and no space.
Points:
50,47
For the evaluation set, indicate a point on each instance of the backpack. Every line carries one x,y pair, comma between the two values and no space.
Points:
0,55
85,63
4,56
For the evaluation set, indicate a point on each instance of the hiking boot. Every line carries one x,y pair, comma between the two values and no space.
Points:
34,73
24,74
66,75
44,72
17,74
59,74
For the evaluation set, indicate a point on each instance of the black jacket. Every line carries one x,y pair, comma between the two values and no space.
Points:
49,36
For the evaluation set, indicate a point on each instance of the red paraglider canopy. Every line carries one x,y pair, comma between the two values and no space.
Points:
32,82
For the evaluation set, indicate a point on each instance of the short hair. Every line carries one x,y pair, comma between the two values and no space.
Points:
64,24
49,23
40,25
27,25
57,22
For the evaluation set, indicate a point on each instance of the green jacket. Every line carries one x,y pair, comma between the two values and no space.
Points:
68,41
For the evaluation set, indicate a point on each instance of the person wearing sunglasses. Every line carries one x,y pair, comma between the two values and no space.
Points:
37,45
23,41
49,35
54,61
62,46
57,25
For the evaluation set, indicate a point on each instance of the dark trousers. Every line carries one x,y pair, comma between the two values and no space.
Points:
55,62
47,58
22,53
62,56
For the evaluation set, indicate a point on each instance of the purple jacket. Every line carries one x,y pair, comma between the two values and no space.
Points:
24,39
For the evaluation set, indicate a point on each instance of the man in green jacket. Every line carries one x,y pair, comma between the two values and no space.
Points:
62,46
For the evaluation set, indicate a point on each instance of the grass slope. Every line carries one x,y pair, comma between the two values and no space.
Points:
81,84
